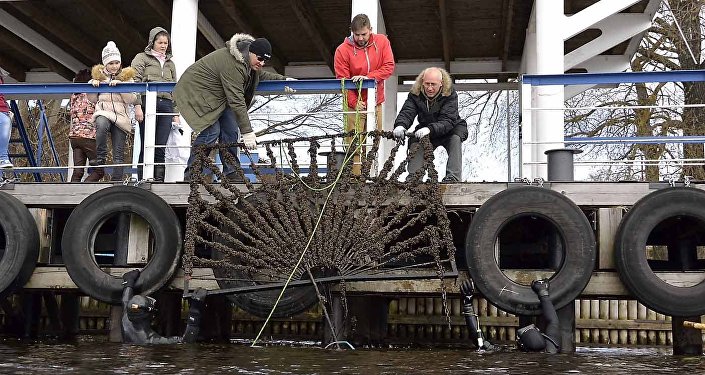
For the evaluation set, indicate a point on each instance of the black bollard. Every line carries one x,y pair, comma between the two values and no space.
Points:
560,164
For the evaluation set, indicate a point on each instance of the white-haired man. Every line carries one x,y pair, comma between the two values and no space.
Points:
433,99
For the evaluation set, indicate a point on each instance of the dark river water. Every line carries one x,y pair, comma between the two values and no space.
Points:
93,355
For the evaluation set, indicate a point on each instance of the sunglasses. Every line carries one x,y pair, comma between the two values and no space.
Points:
262,58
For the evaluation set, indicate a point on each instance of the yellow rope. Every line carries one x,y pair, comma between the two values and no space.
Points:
349,155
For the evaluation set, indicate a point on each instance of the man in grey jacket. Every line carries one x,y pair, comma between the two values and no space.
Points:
224,80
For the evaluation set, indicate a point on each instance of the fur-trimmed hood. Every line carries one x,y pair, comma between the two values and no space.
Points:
447,82
125,74
238,45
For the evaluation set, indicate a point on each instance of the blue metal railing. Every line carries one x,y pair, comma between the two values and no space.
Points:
613,78
302,86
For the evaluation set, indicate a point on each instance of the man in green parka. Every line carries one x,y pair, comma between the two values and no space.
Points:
214,94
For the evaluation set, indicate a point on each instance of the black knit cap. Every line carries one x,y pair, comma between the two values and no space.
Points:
261,48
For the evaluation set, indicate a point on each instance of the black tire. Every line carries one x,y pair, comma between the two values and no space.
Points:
631,259
294,301
19,244
572,225
83,224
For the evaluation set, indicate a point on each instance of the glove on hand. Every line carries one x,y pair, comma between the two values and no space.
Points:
399,132
250,140
288,89
130,278
422,132
467,288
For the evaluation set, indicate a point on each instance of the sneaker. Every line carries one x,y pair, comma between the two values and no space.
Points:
96,161
449,180
540,287
6,164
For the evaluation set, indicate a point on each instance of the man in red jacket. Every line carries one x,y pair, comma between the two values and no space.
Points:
363,55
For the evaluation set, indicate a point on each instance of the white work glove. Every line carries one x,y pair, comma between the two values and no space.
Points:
399,132
288,89
422,132
250,140
358,78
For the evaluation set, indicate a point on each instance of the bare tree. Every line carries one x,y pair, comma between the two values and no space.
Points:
663,48
304,115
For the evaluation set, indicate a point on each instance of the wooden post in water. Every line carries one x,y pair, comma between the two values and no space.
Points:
31,310
216,323
368,315
337,317
69,314
686,341
566,317
169,313
115,334
52,310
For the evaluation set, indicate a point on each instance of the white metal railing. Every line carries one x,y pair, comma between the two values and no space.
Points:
150,91
531,156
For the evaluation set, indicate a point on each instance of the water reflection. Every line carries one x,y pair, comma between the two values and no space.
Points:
97,356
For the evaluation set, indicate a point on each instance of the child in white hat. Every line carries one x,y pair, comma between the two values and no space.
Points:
111,114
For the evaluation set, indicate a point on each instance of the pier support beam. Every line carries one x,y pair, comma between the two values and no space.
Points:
31,309
52,310
115,334
169,317
69,314
337,317
366,323
566,317
216,324
184,29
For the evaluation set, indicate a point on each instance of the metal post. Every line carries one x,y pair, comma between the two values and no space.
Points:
150,131
548,124
184,28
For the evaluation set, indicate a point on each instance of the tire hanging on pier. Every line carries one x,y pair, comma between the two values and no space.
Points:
79,237
572,226
19,244
630,243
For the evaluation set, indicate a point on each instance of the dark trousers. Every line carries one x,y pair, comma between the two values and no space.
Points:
84,148
454,147
163,128
103,129
225,130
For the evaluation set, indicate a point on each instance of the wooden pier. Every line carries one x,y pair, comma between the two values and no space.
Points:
605,311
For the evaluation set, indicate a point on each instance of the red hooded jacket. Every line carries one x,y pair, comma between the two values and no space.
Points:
375,61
